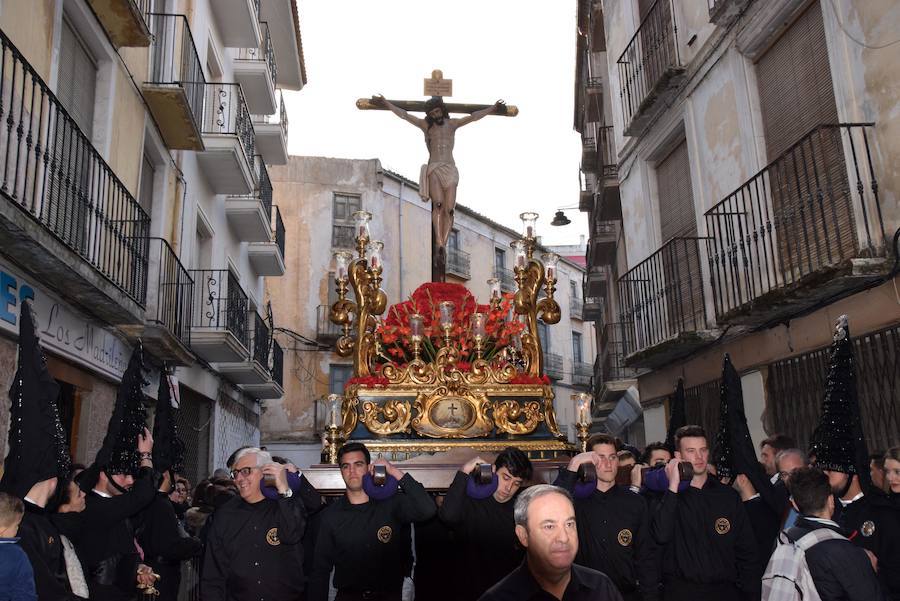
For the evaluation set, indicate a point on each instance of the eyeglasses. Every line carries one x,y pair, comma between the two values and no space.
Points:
244,471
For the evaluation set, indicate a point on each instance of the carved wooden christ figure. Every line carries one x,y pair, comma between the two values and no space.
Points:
439,178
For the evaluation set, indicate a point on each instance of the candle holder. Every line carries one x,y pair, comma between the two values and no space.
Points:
446,309
416,331
361,221
479,321
334,432
529,224
582,402
495,292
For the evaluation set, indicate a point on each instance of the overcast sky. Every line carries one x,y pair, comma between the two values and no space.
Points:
522,52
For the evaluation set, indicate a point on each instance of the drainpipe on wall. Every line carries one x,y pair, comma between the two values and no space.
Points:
400,237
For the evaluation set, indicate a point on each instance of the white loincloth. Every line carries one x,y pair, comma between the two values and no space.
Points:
447,174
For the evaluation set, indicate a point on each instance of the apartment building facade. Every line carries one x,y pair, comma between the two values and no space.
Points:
136,205
750,149
327,192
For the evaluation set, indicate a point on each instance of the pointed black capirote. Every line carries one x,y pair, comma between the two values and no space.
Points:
677,415
733,451
168,448
38,447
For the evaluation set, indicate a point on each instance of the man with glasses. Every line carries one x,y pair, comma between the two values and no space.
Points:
254,548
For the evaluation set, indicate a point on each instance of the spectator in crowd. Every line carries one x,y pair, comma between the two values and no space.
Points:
892,475
16,575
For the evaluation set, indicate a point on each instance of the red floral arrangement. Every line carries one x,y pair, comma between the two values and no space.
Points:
394,331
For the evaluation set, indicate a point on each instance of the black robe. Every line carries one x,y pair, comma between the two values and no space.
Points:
165,545
39,538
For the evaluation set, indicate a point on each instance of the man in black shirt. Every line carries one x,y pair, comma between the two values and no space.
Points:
546,527
484,529
367,541
254,549
709,551
613,525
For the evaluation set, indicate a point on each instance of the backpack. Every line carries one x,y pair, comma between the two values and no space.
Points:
787,576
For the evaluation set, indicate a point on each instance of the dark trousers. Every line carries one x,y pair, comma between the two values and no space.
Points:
682,590
344,595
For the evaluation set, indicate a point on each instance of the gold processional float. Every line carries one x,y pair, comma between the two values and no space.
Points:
440,372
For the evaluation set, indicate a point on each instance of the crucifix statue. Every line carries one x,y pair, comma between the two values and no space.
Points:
439,178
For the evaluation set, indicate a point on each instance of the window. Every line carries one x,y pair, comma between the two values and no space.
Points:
453,241
544,335
343,207
499,259
573,289
145,194
77,79
338,374
576,348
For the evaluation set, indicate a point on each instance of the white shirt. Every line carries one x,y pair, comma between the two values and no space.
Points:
103,494
853,500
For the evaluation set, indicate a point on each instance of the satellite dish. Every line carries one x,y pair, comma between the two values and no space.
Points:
627,411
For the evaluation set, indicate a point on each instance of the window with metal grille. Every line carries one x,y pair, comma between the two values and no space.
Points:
338,374
77,79
576,347
343,207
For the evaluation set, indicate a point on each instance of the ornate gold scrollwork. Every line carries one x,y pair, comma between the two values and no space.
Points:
349,415
508,413
396,417
442,413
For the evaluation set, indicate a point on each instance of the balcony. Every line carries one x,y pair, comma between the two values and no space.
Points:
252,368
271,134
174,88
255,69
586,192
598,281
507,278
613,376
250,217
553,366
237,22
603,243
229,140
589,155
273,387
805,230
724,12
664,304
65,217
123,21
326,331
267,258
219,329
166,331
582,374
576,308
650,68
458,263
593,308
609,205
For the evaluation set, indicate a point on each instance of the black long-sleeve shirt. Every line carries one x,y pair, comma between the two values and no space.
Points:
585,585
874,524
707,538
165,544
368,544
485,534
39,538
254,551
614,537
106,543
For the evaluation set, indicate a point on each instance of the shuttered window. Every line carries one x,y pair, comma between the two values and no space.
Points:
77,79
145,196
343,207
810,194
676,199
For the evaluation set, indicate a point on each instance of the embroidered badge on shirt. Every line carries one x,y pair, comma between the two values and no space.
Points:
384,534
625,537
723,526
272,537
867,528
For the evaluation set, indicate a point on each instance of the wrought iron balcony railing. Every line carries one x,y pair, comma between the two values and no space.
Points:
582,374
220,303
507,278
263,190
326,331
613,338
649,58
174,60
52,172
803,216
261,339
576,307
458,262
225,113
277,369
279,230
171,290
663,297
553,366
265,52
278,118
